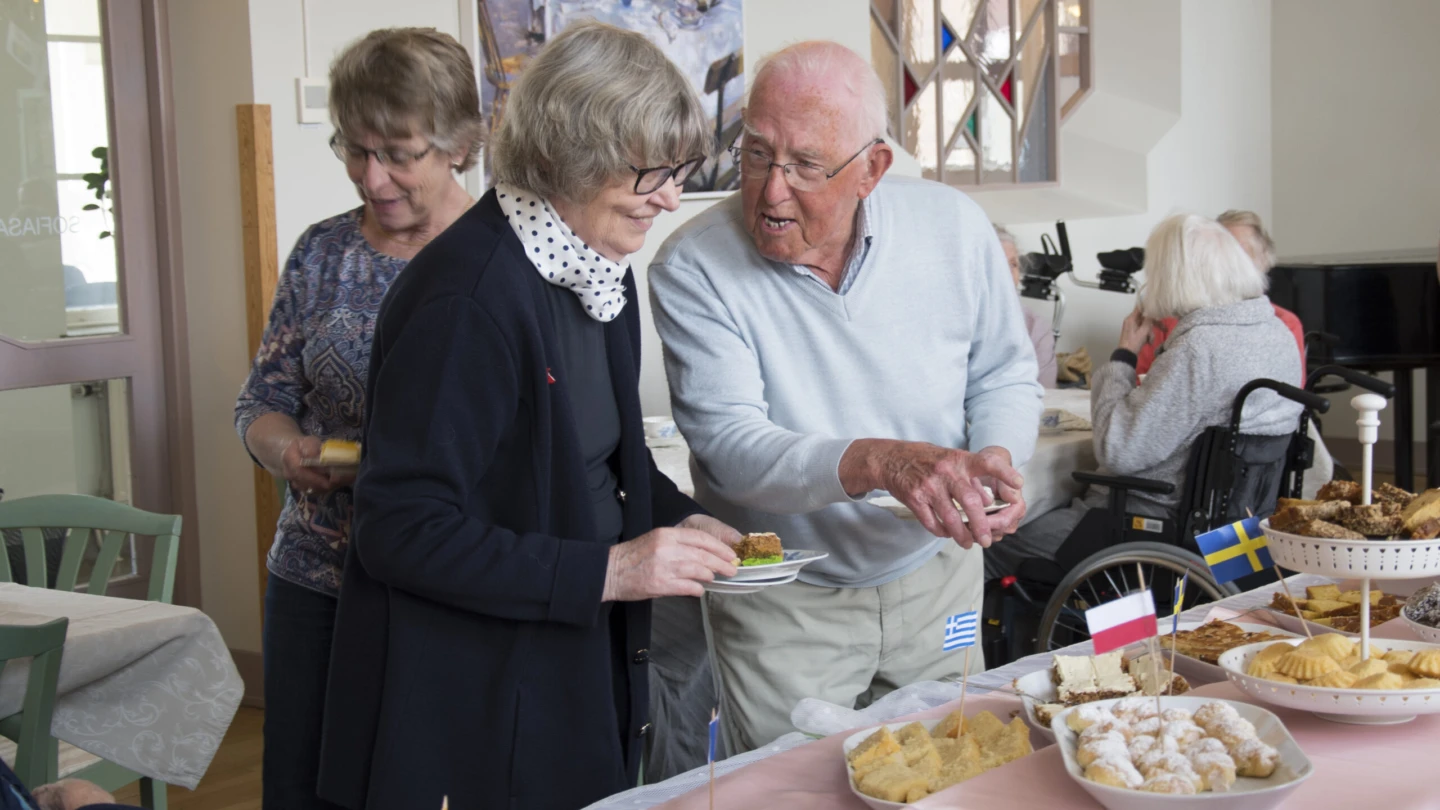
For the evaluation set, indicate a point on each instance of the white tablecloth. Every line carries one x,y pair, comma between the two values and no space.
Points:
145,685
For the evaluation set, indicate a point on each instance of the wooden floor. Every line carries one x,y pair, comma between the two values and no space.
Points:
233,781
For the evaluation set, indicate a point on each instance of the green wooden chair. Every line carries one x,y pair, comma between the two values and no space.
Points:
81,514
43,644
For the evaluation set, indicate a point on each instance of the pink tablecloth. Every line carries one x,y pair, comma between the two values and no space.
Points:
1355,767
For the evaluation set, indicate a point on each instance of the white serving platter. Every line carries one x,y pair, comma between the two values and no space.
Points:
1357,706
795,559
1248,793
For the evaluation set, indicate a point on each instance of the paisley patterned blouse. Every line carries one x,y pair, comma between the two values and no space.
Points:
312,365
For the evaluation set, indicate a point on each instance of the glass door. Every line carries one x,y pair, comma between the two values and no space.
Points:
82,391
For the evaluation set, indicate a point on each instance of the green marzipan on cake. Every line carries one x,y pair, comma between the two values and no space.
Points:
763,560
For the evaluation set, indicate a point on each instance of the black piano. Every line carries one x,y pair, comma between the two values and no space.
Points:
1374,313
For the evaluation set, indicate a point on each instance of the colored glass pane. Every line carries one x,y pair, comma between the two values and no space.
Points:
1033,59
960,14
1070,12
957,91
947,37
1008,91
997,153
960,164
887,65
918,36
921,136
911,88
990,39
1035,143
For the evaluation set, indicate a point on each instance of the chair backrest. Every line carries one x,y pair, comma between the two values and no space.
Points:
79,515
43,644
1232,476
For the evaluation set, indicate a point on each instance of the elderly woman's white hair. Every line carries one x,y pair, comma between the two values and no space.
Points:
1192,262
597,101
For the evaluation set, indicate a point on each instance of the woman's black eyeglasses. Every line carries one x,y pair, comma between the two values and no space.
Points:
649,181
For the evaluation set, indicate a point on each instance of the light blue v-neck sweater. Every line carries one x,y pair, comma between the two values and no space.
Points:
772,374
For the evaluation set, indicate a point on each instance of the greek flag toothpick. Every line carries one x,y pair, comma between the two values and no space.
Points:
960,631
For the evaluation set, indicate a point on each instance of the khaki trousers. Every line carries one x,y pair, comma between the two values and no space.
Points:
848,646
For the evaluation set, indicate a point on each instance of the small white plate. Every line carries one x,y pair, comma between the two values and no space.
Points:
795,559
893,505
1425,631
1366,707
1247,793
1035,689
749,586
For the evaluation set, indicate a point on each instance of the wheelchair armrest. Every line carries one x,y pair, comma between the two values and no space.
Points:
1125,482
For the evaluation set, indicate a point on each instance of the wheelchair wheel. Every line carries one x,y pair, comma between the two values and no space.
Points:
1113,573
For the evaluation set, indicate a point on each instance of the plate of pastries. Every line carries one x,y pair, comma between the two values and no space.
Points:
1329,608
1395,536
1337,513
1073,680
1199,645
1328,675
1188,751
899,763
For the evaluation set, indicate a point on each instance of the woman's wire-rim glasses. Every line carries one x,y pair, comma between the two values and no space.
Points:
398,159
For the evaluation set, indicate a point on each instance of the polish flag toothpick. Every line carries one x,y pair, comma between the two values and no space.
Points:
1124,621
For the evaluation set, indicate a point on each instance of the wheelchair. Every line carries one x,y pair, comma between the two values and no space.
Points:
1228,477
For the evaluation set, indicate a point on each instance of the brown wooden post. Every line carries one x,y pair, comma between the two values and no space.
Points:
262,272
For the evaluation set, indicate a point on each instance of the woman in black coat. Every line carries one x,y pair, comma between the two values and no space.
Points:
493,621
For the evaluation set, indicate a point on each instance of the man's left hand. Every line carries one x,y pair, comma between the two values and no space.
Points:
715,528
1007,520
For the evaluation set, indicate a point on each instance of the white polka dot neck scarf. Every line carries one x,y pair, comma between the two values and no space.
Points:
561,257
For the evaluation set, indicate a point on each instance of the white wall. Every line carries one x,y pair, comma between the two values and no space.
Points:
1357,112
1215,156
210,45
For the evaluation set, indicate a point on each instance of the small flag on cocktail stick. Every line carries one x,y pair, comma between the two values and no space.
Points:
1150,642
960,631
714,729
1235,550
1175,625
1123,621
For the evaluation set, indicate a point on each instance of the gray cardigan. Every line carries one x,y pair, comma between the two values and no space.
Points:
1146,431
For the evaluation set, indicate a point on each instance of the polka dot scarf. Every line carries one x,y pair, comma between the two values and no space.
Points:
561,257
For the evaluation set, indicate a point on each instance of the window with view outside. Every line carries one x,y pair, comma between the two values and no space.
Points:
58,269
979,88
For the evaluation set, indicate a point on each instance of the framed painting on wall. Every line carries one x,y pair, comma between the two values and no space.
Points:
704,38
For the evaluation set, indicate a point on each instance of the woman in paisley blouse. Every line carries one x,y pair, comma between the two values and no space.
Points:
493,637
406,114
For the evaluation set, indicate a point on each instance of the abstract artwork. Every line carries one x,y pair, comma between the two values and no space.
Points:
704,38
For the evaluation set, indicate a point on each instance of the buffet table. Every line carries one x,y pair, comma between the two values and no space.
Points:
146,685
799,771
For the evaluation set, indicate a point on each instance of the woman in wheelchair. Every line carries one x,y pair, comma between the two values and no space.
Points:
1227,336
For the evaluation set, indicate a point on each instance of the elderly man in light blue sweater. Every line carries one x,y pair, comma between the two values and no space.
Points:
827,335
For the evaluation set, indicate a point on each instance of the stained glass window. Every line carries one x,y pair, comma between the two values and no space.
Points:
978,89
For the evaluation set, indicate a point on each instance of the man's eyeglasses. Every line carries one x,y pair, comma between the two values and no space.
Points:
649,181
396,159
801,176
